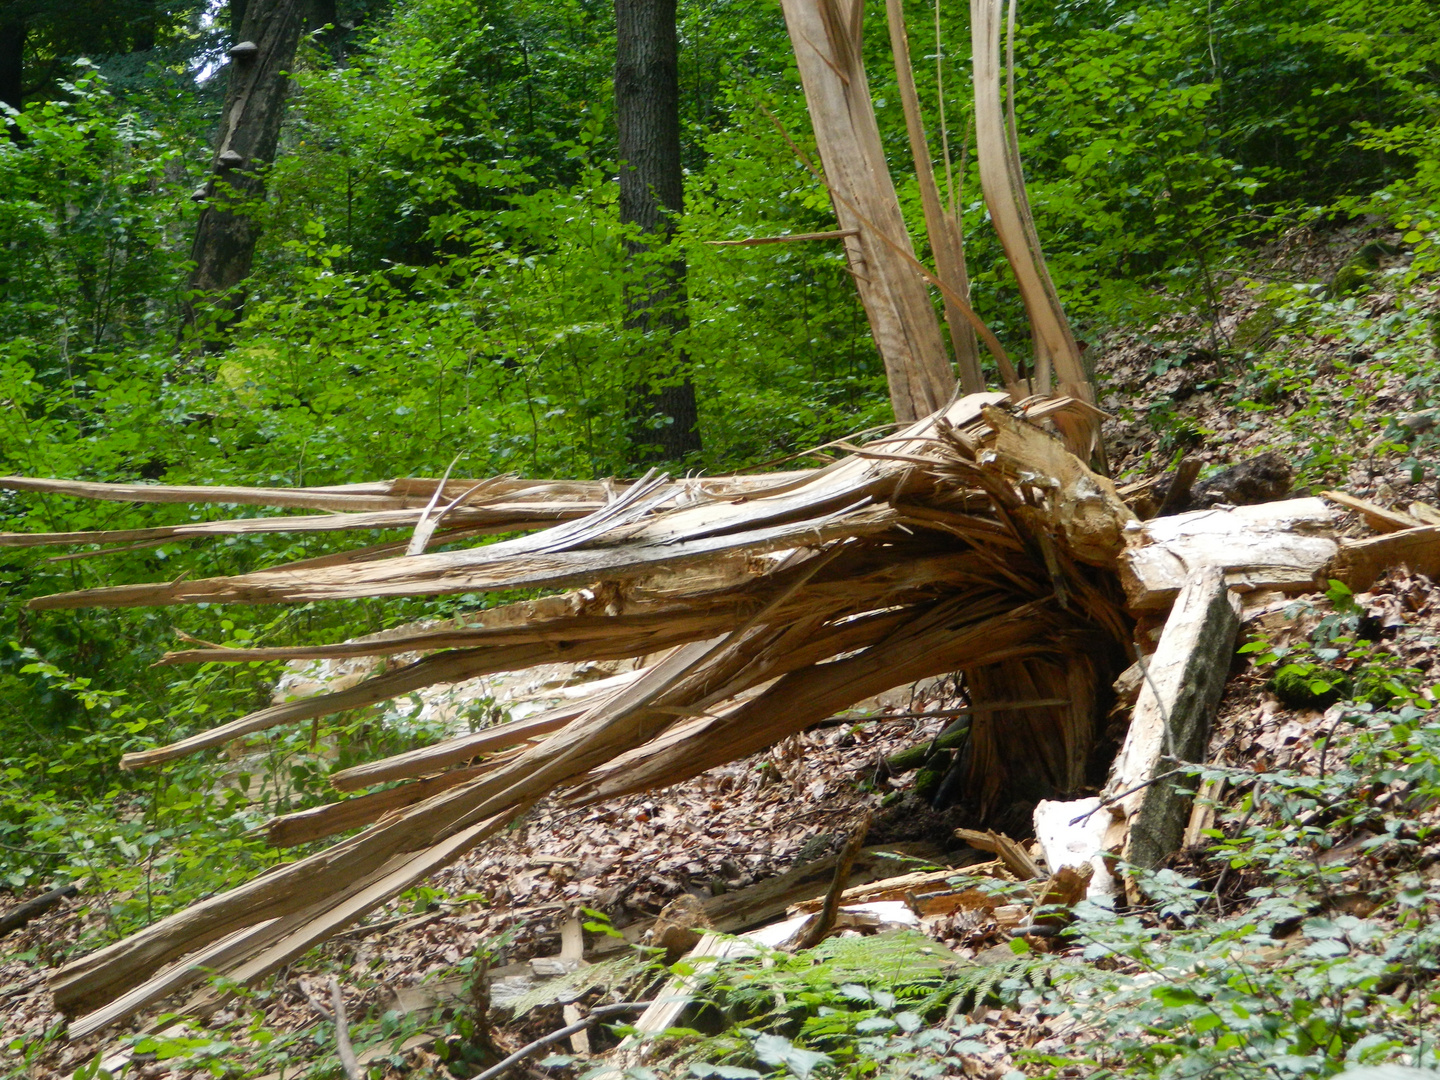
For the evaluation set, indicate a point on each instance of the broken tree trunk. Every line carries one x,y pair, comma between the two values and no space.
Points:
1280,545
967,541
826,36
1183,681
1360,563
971,540
946,241
998,153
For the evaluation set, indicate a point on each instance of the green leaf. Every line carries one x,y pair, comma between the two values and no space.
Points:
781,1052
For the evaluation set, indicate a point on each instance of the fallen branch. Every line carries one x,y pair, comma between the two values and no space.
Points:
343,1048
1184,680
21,914
596,1014
821,925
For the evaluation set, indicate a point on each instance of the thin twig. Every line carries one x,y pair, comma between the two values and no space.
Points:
820,926
342,1033
564,1033
1130,791
316,1004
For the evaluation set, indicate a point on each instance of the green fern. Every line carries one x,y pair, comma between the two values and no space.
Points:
899,958
606,975
971,984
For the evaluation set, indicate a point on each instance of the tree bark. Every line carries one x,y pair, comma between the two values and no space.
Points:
647,109
237,19
226,233
320,13
12,62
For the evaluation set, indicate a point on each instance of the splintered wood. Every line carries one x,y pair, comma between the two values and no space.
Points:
1183,681
973,541
970,541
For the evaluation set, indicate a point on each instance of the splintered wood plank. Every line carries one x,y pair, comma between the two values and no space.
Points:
894,888
271,946
1376,516
1282,545
1084,510
1183,681
407,493
513,518
472,570
941,226
318,822
1361,563
769,899
1016,859
918,647
378,496
826,36
444,667
627,539
1004,186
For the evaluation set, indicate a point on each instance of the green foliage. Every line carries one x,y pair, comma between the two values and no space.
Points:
1321,407
442,273
1290,984
891,1003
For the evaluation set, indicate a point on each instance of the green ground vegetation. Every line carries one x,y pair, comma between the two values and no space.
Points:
441,277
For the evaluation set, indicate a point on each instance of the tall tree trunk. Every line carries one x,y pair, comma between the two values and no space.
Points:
237,19
320,13
249,132
647,110
12,62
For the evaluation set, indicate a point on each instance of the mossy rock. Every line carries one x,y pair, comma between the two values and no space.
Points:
1256,330
1354,277
927,781
1350,279
1309,686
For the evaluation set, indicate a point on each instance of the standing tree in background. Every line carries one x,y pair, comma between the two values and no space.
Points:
12,57
41,39
225,235
647,111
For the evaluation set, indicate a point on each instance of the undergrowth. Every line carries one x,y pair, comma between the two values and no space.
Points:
1308,940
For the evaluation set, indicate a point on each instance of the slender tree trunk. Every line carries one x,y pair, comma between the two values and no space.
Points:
647,109
320,13
249,132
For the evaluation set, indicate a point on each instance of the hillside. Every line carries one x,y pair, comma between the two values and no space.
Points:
715,539
1296,935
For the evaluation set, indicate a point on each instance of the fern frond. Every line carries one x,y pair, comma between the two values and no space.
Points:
605,975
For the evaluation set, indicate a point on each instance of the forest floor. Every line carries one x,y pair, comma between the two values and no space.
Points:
1328,808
